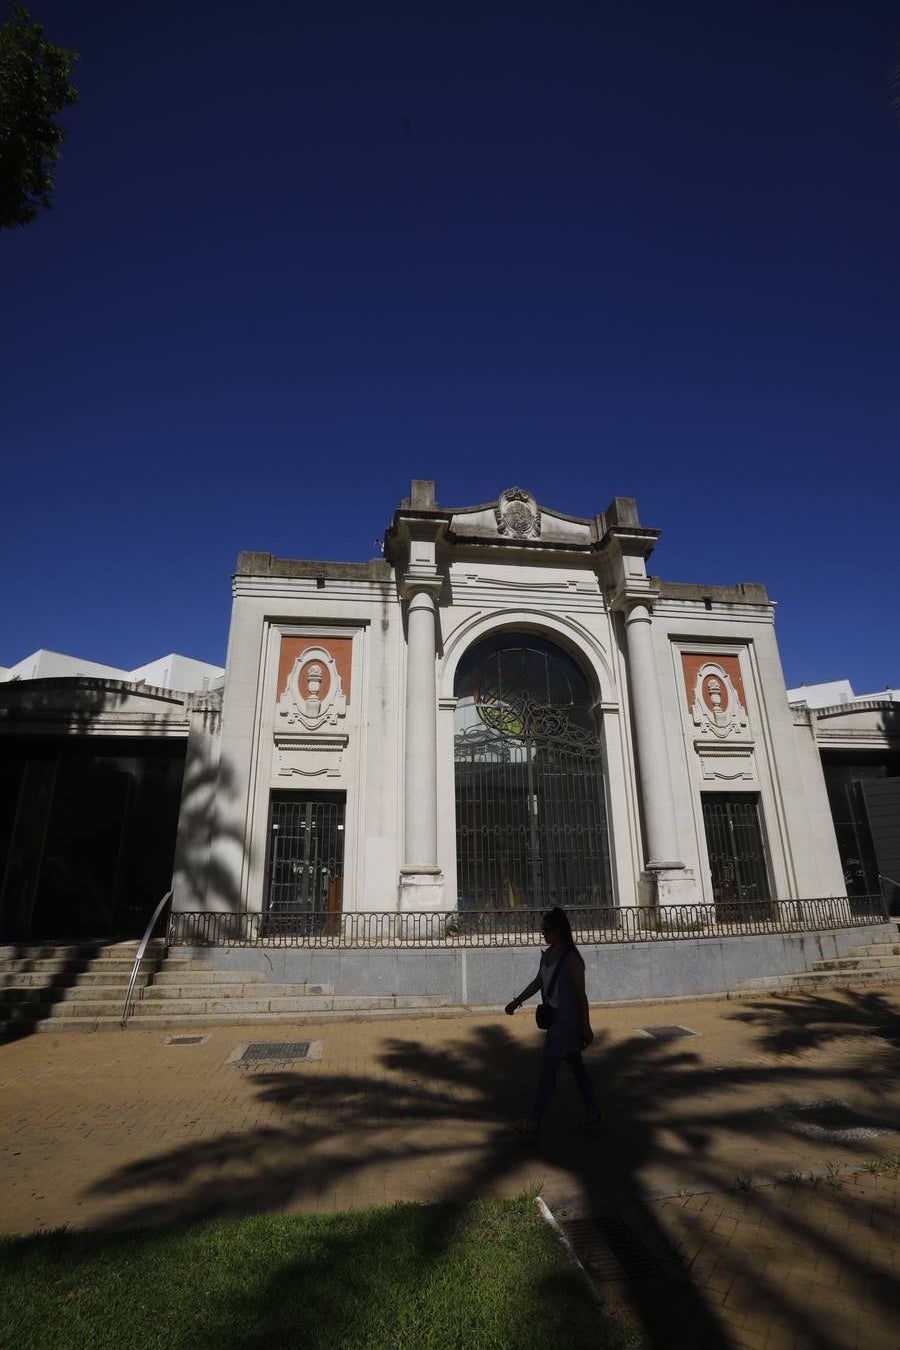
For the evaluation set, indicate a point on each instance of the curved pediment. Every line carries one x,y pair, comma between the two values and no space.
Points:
517,518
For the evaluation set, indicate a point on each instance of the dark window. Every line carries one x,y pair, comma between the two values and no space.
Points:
734,843
866,820
305,873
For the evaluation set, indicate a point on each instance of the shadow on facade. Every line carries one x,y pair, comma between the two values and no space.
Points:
665,1109
92,793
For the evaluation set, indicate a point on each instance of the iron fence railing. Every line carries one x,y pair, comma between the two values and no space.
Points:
520,927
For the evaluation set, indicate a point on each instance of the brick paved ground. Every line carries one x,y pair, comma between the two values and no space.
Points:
117,1128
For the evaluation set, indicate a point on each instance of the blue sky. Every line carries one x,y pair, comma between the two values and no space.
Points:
303,253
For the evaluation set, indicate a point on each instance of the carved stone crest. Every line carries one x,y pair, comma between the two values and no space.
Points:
313,695
517,514
716,705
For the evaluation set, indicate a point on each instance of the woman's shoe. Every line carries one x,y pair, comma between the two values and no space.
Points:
525,1128
592,1124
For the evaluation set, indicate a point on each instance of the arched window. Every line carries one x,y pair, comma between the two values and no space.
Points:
531,825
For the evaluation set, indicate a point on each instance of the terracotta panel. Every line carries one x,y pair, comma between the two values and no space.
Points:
692,661
341,650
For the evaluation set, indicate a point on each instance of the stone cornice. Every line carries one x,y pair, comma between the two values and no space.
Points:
413,581
744,593
266,565
629,539
635,591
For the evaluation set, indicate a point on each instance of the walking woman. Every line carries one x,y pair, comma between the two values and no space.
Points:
560,980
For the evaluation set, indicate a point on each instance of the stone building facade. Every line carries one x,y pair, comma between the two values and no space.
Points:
506,709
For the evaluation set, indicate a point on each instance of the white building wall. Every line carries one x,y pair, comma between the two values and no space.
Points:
366,769
765,759
178,672
182,673
47,665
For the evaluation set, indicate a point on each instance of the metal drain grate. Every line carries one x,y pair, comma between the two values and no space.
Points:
667,1033
185,1040
274,1052
614,1252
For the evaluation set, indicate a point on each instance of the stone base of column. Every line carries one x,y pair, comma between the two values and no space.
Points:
422,900
667,885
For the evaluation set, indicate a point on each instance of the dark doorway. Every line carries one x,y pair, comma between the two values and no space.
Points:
882,798
737,856
864,796
531,825
305,873
87,836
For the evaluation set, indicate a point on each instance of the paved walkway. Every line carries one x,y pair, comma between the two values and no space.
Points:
695,1208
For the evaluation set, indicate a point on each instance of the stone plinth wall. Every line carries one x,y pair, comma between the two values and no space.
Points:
490,976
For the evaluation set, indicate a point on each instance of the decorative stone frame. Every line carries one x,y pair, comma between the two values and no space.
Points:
731,718
313,713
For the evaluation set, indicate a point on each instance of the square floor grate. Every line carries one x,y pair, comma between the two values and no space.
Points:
610,1249
274,1052
667,1033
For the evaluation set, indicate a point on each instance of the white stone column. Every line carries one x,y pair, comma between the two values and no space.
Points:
420,837
653,754
421,881
665,880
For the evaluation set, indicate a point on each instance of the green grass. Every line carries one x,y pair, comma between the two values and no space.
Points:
486,1276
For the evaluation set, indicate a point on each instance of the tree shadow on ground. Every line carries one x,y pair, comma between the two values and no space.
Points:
349,1280
664,1108
794,1023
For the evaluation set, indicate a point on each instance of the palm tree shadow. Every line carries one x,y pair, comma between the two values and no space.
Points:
801,1022
427,1105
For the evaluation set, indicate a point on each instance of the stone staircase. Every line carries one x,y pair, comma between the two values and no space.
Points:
50,985
82,988
874,963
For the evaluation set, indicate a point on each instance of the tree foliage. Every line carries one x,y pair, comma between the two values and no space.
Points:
35,87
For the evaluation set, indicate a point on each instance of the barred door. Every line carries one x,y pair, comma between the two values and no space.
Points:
305,873
531,825
734,842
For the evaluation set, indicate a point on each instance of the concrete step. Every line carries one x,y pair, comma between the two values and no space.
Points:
817,979
282,1002
189,1008
197,1007
73,951
165,1022
158,991
207,975
61,1012
30,979
99,966
876,949
67,994
858,963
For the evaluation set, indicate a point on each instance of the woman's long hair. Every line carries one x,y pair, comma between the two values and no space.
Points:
556,920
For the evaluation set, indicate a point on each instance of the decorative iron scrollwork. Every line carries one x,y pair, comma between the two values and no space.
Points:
518,717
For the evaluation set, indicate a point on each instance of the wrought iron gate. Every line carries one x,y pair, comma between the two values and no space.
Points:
530,811
734,842
305,873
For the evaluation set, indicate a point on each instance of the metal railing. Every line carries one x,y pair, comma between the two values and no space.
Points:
142,947
520,927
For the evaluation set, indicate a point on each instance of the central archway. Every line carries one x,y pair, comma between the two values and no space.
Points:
531,824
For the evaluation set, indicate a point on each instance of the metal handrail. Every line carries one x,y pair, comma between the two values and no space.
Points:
298,927
142,947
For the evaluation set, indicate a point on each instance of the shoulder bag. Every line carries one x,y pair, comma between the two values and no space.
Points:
545,1013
